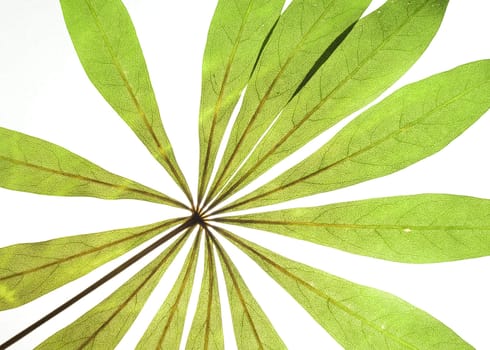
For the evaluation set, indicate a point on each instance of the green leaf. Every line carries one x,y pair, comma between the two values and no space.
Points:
413,123
104,326
235,38
378,51
33,165
358,317
424,228
207,330
30,270
165,330
252,327
303,33
110,53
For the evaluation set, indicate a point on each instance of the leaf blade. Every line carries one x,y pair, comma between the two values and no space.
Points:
235,37
108,48
33,165
413,123
104,325
49,267
358,317
172,313
424,228
207,330
253,329
380,48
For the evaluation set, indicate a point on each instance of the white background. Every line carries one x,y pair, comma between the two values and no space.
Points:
44,92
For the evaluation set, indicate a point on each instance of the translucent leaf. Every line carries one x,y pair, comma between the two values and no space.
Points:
252,327
235,37
30,164
104,326
379,49
413,123
303,33
165,330
417,229
110,53
356,316
207,330
30,270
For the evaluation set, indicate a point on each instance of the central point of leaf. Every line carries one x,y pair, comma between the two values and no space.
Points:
197,219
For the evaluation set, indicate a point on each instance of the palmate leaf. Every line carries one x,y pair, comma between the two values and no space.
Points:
305,30
30,270
110,53
33,165
357,317
415,229
411,124
300,72
380,48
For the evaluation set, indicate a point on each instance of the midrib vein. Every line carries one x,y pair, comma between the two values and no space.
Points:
88,179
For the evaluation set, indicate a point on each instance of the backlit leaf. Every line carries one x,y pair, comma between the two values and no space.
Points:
207,330
378,50
236,34
30,270
358,317
413,123
104,326
417,229
303,33
253,330
33,165
110,53
165,330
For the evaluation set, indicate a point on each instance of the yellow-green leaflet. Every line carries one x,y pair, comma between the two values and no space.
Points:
166,328
252,327
358,317
303,33
380,48
423,228
110,53
235,37
104,326
33,165
30,270
207,330
411,124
